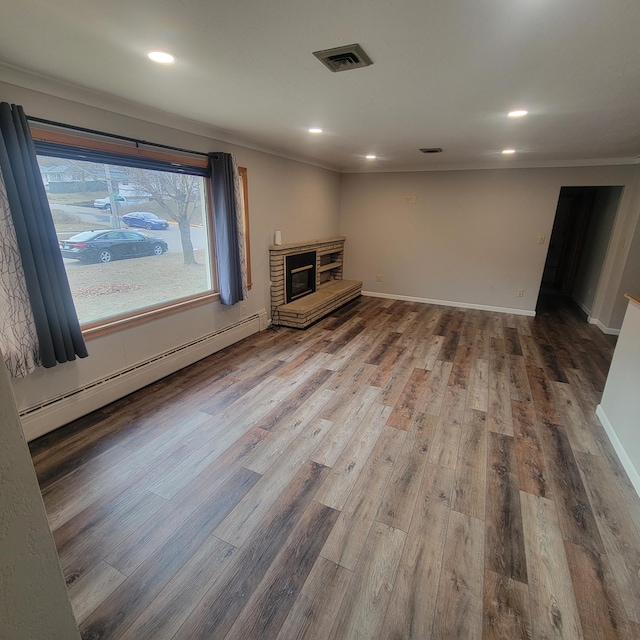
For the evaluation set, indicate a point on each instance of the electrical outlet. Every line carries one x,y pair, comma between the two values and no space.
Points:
243,309
379,278
410,199
541,239
520,293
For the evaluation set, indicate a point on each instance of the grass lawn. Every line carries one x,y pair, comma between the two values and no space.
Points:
68,224
105,290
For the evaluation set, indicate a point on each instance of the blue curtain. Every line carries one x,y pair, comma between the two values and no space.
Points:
228,218
56,321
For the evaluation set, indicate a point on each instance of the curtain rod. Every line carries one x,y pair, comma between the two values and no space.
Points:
136,141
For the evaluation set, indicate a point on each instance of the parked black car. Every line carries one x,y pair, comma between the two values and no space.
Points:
108,245
145,220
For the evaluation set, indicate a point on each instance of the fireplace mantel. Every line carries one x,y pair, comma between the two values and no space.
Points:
311,245
331,290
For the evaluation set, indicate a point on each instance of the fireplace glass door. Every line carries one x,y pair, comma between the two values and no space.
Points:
300,275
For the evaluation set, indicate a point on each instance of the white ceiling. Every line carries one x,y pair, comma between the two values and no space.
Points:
445,73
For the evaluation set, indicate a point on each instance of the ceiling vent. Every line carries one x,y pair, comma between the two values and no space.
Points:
431,150
351,56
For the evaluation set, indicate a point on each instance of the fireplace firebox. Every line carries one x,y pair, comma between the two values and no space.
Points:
300,271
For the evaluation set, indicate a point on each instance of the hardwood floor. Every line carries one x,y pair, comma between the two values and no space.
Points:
398,470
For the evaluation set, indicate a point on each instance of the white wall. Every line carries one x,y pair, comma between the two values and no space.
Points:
595,247
472,236
619,409
621,270
34,603
630,281
300,199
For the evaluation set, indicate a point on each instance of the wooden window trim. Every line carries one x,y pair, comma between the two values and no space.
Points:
114,324
43,135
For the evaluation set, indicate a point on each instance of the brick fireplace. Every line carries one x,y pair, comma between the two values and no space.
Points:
306,281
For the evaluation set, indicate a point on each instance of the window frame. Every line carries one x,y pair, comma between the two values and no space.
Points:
99,328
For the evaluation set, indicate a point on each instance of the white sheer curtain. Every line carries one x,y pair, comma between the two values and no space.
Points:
18,339
242,232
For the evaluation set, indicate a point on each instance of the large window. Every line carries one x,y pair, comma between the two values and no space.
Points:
134,230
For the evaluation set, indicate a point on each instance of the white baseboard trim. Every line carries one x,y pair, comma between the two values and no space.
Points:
608,330
632,472
450,303
56,412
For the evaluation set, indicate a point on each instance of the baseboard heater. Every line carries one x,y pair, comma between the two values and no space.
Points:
56,411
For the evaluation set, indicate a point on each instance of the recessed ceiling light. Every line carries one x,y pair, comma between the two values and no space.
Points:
518,113
161,57
315,130
508,152
370,156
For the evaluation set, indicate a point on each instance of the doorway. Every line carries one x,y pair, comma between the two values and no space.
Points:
578,245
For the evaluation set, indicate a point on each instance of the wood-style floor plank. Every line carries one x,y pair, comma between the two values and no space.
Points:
575,513
301,422
271,601
478,388
145,541
428,355
399,500
554,613
499,403
314,609
79,555
619,535
219,607
127,602
398,378
293,401
365,603
458,612
471,466
331,447
406,406
461,366
504,541
444,446
507,614
531,466
433,395
398,470
542,395
573,419
246,516
93,588
626,488
344,544
518,379
345,472
413,599
173,605
596,593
